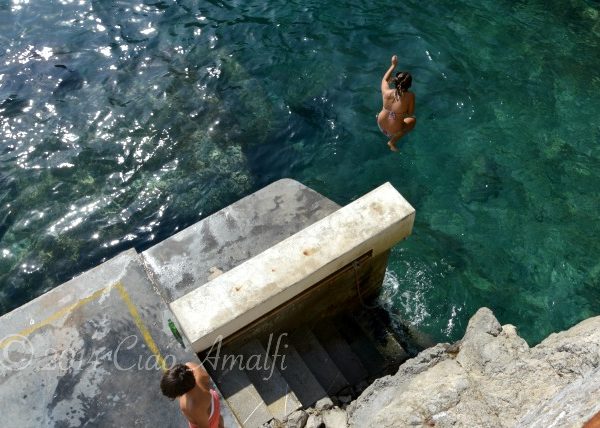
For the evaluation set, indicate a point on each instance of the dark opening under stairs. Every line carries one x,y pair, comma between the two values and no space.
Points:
270,377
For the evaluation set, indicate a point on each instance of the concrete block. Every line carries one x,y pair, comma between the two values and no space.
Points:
373,223
323,300
90,352
216,244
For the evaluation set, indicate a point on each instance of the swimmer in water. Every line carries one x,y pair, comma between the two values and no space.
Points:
396,119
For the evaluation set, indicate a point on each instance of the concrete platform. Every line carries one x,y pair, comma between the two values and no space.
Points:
90,352
222,241
371,224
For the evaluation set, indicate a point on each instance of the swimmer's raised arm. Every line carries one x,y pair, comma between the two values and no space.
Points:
388,74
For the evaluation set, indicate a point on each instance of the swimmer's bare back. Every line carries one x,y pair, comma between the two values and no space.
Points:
396,118
196,404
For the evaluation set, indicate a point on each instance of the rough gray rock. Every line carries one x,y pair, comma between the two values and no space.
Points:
335,418
297,419
491,378
273,423
315,421
575,397
324,403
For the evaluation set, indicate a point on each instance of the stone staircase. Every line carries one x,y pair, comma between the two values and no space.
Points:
269,377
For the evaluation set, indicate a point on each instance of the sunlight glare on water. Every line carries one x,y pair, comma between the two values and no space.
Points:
124,122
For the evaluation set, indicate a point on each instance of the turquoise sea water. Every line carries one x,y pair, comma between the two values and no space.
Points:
123,122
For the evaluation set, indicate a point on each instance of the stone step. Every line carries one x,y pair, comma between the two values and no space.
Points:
381,337
361,345
263,372
295,371
340,351
242,397
318,361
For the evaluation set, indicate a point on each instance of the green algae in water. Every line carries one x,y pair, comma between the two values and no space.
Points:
186,108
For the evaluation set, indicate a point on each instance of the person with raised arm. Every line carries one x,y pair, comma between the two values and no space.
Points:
396,118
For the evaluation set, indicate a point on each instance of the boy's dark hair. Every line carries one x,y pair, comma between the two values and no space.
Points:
176,381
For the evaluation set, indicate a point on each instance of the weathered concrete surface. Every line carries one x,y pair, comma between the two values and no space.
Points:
89,351
374,222
491,378
233,235
324,300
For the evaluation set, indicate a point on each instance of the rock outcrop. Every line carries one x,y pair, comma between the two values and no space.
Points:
491,378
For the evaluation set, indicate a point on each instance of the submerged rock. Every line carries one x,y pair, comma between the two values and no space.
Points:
482,181
491,378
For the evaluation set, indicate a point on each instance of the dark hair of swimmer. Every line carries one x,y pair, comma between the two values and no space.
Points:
402,82
177,381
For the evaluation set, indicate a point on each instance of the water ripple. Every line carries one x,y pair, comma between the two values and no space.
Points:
121,123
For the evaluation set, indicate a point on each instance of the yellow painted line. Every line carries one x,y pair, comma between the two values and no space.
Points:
67,309
55,316
140,325
97,294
